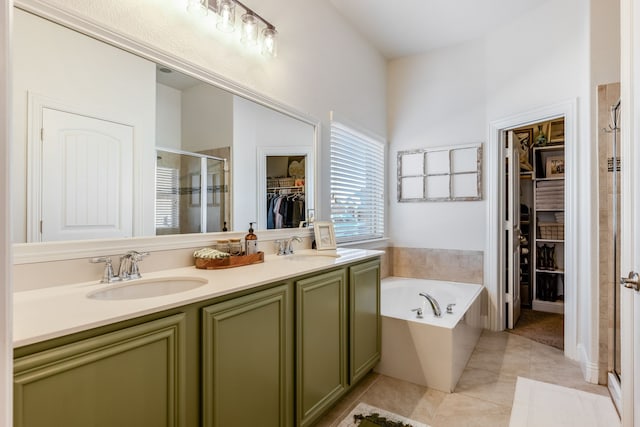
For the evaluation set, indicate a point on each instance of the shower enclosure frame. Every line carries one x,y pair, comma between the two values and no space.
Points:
204,184
614,374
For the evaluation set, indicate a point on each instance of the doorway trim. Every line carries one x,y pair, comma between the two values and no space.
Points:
494,261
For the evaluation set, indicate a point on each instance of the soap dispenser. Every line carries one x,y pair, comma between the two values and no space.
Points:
251,241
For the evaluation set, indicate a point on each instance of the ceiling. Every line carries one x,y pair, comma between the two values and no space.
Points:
407,27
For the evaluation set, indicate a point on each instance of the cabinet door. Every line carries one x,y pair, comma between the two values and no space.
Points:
247,360
364,323
133,377
321,343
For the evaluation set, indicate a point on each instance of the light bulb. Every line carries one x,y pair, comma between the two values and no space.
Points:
249,34
197,7
269,45
226,16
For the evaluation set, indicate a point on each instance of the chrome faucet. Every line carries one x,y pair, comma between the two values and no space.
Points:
107,275
129,265
290,243
127,270
285,247
434,304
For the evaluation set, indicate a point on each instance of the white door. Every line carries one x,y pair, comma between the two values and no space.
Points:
629,266
630,210
512,228
87,171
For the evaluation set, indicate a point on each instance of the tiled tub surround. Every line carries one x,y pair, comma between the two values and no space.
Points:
429,351
436,264
55,311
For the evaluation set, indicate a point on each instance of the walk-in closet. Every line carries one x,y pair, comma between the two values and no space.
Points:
539,230
285,191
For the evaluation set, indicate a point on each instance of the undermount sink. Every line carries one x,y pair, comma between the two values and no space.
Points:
309,254
147,288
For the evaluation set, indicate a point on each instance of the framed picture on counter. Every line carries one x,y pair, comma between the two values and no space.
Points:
325,235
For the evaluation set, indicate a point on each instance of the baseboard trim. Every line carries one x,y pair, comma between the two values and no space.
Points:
589,369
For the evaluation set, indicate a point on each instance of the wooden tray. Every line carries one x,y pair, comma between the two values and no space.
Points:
230,262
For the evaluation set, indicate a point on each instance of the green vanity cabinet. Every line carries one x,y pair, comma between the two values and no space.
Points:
247,360
132,377
364,319
280,355
321,343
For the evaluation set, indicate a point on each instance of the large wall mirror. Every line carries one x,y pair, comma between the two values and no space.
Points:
108,144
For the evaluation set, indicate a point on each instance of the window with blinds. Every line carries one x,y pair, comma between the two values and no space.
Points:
167,198
357,184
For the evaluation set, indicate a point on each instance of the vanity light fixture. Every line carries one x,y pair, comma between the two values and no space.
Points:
250,23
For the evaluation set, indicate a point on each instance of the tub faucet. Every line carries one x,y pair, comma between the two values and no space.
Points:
434,304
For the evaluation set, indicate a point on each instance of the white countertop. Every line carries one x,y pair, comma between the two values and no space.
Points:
47,313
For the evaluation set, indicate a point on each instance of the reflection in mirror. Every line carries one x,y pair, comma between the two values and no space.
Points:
285,191
181,205
151,108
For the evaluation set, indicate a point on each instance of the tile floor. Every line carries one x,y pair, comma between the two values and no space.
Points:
484,394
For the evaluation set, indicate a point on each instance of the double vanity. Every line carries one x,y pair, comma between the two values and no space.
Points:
271,344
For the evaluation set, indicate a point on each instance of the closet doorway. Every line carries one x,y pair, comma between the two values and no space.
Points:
534,231
285,171
496,260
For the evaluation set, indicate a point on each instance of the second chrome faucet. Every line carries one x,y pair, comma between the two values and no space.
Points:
285,247
128,269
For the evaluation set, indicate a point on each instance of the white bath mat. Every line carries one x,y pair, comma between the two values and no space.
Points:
368,410
538,404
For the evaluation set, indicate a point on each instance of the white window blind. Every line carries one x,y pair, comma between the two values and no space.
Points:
357,184
167,198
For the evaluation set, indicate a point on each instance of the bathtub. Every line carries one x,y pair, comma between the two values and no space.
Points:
430,351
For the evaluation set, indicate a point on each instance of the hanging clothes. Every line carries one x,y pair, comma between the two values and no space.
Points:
285,210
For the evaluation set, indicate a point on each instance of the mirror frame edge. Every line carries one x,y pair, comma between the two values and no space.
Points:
25,253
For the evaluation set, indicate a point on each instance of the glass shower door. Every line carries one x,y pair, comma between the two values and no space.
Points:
614,169
181,204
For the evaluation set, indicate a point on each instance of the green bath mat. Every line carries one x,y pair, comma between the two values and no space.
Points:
365,415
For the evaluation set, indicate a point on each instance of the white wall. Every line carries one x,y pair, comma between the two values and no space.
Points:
323,64
88,76
448,97
195,119
6,288
168,117
436,99
207,118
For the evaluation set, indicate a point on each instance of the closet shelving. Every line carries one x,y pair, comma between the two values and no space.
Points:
548,223
286,189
